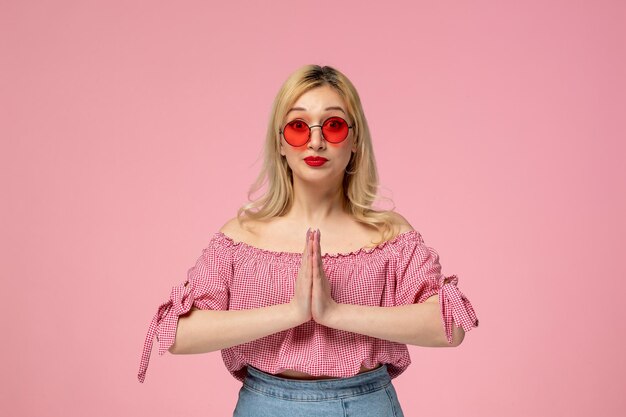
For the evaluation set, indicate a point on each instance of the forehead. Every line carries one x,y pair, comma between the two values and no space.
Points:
319,98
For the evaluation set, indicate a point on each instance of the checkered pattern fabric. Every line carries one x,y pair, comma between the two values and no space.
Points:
233,275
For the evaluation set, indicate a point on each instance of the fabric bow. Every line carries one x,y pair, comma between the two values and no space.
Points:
164,323
455,307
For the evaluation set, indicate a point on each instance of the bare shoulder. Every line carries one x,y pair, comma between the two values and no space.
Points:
400,222
231,225
238,229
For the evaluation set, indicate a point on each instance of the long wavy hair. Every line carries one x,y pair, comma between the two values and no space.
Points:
360,182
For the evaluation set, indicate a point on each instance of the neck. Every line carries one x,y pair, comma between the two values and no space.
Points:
316,204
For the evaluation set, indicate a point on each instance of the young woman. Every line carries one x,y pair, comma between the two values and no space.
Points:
310,293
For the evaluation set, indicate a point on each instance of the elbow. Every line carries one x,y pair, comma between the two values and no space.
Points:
179,347
176,348
173,349
458,334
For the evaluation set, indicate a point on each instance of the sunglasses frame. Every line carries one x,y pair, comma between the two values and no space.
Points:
311,127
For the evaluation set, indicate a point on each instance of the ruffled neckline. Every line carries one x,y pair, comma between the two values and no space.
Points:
401,237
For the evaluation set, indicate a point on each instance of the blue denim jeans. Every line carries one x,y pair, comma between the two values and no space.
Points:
367,394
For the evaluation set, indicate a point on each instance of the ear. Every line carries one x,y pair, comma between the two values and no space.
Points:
282,149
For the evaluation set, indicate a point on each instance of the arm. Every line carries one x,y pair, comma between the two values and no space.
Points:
415,324
196,317
201,331
207,330
428,323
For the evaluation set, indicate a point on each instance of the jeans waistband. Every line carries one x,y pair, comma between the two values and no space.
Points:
319,389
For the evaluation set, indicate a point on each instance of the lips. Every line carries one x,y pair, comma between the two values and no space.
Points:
315,160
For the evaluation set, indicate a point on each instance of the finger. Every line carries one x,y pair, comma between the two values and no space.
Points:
311,253
318,251
316,259
305,252
319,248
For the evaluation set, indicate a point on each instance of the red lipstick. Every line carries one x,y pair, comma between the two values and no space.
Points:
315,161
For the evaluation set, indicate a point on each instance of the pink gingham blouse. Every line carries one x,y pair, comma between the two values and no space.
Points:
233,275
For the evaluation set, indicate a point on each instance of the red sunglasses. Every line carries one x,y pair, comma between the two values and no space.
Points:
298,133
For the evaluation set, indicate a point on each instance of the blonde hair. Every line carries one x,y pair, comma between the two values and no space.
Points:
360,183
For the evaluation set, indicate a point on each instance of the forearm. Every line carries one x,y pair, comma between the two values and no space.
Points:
414,324
203,331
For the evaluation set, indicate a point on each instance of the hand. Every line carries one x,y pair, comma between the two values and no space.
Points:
301,300
322,303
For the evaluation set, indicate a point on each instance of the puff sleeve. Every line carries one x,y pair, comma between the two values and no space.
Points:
418,277
206,287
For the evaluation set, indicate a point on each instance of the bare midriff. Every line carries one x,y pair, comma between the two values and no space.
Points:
289,373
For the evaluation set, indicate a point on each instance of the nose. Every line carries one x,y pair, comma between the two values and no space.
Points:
316,141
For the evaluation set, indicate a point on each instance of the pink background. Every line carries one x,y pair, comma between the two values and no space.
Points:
131,131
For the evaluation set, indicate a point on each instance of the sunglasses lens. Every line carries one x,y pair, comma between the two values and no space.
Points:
296,133
335,129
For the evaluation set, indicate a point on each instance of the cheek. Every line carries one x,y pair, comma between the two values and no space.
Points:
286,149
341,148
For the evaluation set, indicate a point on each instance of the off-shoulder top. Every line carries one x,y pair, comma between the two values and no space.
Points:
233,275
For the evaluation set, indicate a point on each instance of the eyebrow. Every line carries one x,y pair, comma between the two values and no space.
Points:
326,109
